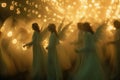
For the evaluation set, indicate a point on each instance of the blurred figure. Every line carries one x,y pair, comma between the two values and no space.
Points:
116,44
90,68
79,44
38,65
54,71
63,49
102,37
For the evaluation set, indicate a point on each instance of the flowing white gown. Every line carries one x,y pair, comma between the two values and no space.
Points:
90,68
63,48
54,70
78,43
106,51
38,65
116,44
103,37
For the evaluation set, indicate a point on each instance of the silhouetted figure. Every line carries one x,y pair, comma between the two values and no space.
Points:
63,50
79,44
90,68
116,44
54,71
104,52
38,65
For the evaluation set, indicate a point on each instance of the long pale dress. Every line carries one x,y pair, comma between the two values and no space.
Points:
105,50
54,71
38,57
78,45
90,69
117,52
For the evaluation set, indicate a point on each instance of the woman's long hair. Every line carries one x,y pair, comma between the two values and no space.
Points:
52,28
86,27
79,25
116,24
35,26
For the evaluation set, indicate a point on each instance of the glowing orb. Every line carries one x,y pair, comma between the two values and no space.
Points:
9,34
3,5
11,7
14,41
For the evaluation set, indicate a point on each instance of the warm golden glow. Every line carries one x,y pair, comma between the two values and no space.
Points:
24,48
9,34
14,41
110,28
39,16
11,7
17,30
86,10
3,5
45,43
25,9
93,11
45,20
18,11
75,10
2,29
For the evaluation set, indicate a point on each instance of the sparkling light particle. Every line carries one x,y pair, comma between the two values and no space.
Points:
9,34
110,28
12,7
4,5
39,16
14,41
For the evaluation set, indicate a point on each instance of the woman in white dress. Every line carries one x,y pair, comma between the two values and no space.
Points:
78,43
38,54
90,68
54,71
116,44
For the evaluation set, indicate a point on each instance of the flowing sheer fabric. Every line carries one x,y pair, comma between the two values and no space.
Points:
90,68
38,66
54,70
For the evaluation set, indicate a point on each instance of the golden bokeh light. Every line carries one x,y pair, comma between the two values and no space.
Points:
4,5
11,7
111,28
14,41
9,34
93,11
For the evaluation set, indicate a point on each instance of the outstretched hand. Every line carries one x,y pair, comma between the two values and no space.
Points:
26,45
